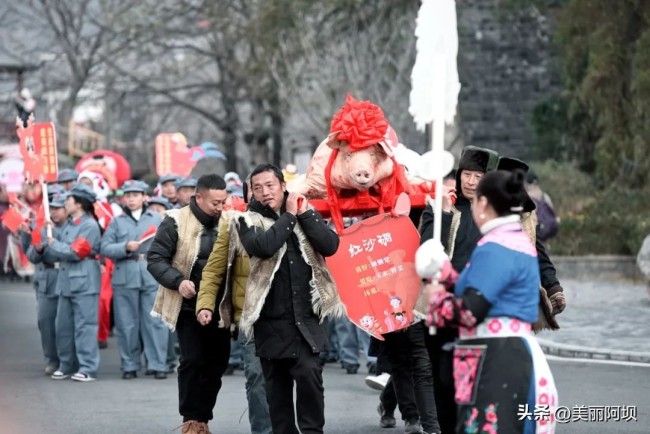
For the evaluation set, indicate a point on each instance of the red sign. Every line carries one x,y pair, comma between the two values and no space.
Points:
375,274
38,149
173,155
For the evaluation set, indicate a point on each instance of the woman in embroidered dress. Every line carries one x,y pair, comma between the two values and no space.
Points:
503,382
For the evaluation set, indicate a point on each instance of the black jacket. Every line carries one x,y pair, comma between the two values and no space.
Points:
163,249
468,235
287,317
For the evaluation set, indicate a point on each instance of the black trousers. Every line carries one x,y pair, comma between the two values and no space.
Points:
407,407
411,372
204,358
442,364
307,373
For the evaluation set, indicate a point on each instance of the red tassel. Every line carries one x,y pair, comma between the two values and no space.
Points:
81,247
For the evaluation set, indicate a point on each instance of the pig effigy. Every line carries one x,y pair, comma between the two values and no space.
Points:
355,166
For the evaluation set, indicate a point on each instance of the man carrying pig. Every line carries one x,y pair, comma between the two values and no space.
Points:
289,290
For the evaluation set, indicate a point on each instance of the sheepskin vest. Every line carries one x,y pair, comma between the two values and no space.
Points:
168,302
324,297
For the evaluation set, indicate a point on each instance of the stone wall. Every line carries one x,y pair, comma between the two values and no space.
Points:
506,68
597,267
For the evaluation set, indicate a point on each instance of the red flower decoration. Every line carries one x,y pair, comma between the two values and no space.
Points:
494,326
515,325
360,123
491,417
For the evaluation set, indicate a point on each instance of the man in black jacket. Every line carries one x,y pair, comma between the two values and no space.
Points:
288,289
177,262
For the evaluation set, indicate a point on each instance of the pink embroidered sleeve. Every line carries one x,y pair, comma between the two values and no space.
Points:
445,310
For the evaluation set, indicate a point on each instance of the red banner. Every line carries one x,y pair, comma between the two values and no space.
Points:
173,155
38,149
375,274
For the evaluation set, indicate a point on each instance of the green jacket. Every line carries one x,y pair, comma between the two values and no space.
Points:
228,267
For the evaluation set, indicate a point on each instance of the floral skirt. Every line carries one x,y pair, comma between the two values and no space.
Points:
503,385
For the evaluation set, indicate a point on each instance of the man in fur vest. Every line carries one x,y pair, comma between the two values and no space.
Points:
176,259
288,291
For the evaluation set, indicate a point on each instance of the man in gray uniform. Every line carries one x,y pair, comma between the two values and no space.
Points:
67,178
134,289
185,189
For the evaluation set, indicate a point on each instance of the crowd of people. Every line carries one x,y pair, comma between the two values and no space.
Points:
205,265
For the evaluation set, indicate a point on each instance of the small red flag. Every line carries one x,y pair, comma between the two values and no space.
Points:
149,233
12,219
104,213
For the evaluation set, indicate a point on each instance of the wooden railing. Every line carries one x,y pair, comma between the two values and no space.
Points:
82,140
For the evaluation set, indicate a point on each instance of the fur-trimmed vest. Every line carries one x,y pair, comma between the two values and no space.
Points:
546,320
168,302
324,297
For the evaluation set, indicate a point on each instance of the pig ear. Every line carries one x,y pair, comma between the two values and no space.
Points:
333,142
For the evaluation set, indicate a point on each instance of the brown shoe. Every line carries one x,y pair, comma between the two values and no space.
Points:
192,427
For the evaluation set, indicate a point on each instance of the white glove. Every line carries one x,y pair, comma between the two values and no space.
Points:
430,258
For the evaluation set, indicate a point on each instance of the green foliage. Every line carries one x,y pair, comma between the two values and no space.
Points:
612,220
549,121
607,76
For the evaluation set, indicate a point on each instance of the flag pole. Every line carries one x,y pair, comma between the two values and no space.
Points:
46,207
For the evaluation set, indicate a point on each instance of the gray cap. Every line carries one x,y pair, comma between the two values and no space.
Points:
159,200
186,181
134,186
83,191
58,201
67,175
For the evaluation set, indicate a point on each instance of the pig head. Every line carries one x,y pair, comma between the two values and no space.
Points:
352,169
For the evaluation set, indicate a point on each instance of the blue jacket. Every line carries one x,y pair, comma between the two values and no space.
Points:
76,250
47,268
130,267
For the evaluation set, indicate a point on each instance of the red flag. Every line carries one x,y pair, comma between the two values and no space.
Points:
37,237
39,223
237,203
104,213
149,233
12,219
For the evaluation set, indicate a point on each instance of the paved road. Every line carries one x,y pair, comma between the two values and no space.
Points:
604,314
32,403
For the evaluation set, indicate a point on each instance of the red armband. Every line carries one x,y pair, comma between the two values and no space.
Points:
81,247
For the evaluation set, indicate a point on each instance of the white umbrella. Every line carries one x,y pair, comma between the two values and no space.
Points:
435,85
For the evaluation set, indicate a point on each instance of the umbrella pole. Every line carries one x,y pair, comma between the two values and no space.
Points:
437,147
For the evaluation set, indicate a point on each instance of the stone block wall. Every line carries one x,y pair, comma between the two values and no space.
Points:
506,68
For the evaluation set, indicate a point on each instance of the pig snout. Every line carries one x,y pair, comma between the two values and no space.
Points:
361,169
362,176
